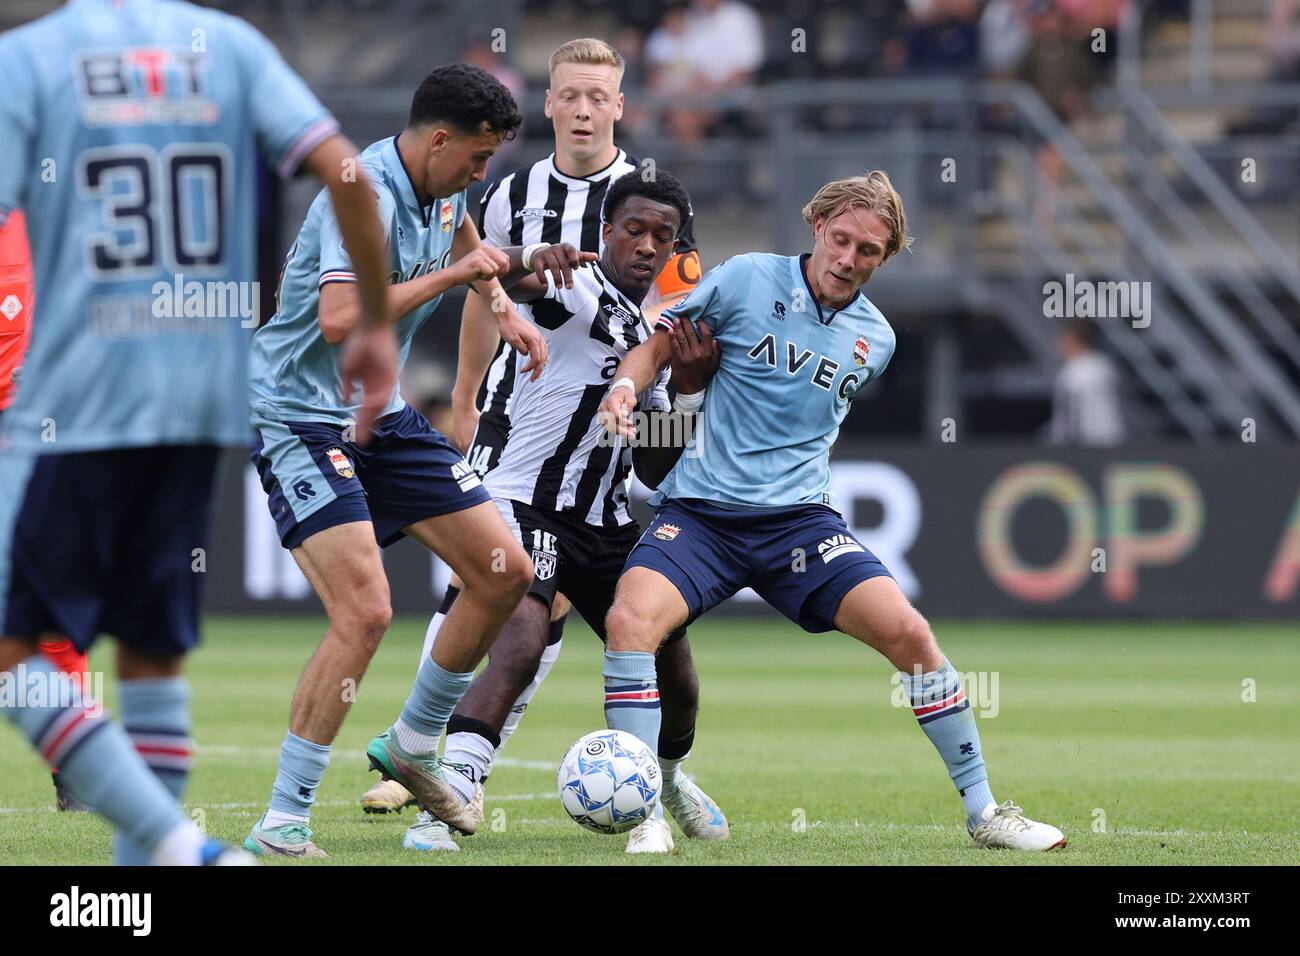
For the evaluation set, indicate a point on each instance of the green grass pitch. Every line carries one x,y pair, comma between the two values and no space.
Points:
1133,737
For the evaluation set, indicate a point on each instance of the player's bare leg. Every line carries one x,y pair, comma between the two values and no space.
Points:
344,567
877,612
496,572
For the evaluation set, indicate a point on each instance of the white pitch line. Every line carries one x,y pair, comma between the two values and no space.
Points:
235,750
489,799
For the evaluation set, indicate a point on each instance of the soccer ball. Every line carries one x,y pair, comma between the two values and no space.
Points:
609,781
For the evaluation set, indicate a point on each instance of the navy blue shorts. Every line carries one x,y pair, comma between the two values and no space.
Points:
802,560
315,480
104,542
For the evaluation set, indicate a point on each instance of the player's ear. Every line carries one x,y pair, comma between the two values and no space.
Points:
547,108
438,139
618,106
606,231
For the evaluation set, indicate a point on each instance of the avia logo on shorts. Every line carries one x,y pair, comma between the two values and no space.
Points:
465,476
666,532
836,545
342,464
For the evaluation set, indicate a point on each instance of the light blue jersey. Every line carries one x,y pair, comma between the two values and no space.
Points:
129,129
295,372
789,370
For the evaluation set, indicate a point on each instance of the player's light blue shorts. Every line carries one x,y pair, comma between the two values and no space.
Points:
801,560
315,480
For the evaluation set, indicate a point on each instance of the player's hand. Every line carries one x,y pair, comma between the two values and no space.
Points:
464,423
370,357
696,355
615,412
485,262
560,260
524,338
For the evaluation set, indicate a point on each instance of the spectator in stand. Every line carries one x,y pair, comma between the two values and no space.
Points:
711,48
1086,396
478,52
943,37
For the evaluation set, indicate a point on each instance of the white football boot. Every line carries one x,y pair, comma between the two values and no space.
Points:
653,836
694,810
387,796
430,834
1006,826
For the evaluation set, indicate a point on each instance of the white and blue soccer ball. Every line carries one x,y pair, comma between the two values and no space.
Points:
609,781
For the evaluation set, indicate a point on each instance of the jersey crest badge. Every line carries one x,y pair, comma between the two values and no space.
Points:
543,565
860,350
444,215
666,532
341,462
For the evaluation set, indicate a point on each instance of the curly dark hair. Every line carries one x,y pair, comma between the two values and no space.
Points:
465,96
664,187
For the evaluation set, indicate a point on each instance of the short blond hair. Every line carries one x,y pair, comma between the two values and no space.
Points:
872,192
590,50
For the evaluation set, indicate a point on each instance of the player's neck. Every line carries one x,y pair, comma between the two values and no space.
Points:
822,298
576,168
409,147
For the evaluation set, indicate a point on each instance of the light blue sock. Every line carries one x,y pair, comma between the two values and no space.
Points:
632,695
944,713
156,715
94,755
302,764
435,695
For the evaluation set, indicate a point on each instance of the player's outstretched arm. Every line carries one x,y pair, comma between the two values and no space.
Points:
695,359
634,375
479,338
519,333
370,356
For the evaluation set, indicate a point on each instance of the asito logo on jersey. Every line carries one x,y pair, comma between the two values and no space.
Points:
341,462
837,545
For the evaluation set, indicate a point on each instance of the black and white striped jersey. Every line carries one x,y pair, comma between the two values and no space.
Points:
541,204
558,456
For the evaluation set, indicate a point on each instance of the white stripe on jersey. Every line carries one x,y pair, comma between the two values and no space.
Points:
555,458
518,210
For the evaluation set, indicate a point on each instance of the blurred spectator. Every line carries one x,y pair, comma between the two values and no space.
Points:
943,37
630,42
1004,37
1281,43
712,47
1086,396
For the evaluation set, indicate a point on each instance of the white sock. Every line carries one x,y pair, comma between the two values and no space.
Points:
180,847
549,656
278,818
474,751
414,742
431,635
671,768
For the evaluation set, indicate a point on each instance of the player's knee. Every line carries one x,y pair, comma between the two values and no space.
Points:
911,636
367,618
506,576
626,629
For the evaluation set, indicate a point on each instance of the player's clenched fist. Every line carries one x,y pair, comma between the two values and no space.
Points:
615,413
559,260
485,262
